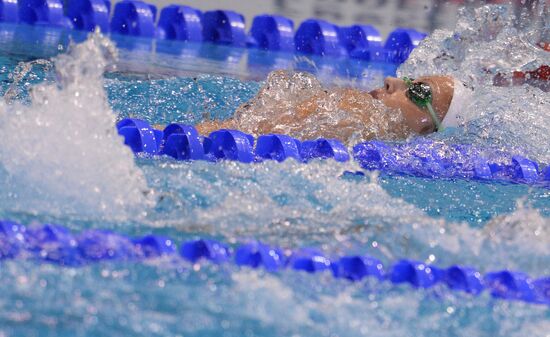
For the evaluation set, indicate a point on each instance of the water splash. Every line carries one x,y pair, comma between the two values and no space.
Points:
488,41
295,103
62,154
284,203
23,70
211,301
177,99
525,230
294,205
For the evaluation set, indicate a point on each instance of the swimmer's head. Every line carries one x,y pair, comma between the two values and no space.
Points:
417,117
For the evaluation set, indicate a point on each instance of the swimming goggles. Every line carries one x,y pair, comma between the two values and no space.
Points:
421,95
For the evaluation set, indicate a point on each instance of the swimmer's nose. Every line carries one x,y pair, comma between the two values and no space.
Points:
392,84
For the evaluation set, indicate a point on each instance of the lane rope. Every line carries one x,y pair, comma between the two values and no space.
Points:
57,245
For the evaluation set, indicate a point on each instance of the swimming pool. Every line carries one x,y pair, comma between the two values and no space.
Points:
64,163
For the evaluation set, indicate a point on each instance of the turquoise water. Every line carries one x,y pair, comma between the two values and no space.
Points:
63,172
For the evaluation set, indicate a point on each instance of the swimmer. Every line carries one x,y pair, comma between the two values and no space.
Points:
296,104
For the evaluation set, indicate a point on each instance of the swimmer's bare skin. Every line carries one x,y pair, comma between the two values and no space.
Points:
393,95
350,99
207,127
357,104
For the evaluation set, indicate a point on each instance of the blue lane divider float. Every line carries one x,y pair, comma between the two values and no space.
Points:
359,37
9,11
278,147
224,27
184,23
183,142
232,145
43,12
205,249
140,136
256,254
464,279
355,268
272,32
318,37
56,244
324,148
511,285
401,42
426,158
134,18
89,14
310,261
423,158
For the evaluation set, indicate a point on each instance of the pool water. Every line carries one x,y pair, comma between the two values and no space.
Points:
61,161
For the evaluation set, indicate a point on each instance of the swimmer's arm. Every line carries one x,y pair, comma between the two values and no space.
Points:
209,126
350,100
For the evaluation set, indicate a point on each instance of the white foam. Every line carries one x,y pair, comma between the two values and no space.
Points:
486,41
62,154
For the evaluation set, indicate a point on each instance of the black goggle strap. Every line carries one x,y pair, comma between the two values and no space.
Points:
421,95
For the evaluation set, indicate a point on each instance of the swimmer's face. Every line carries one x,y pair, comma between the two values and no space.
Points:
394,95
